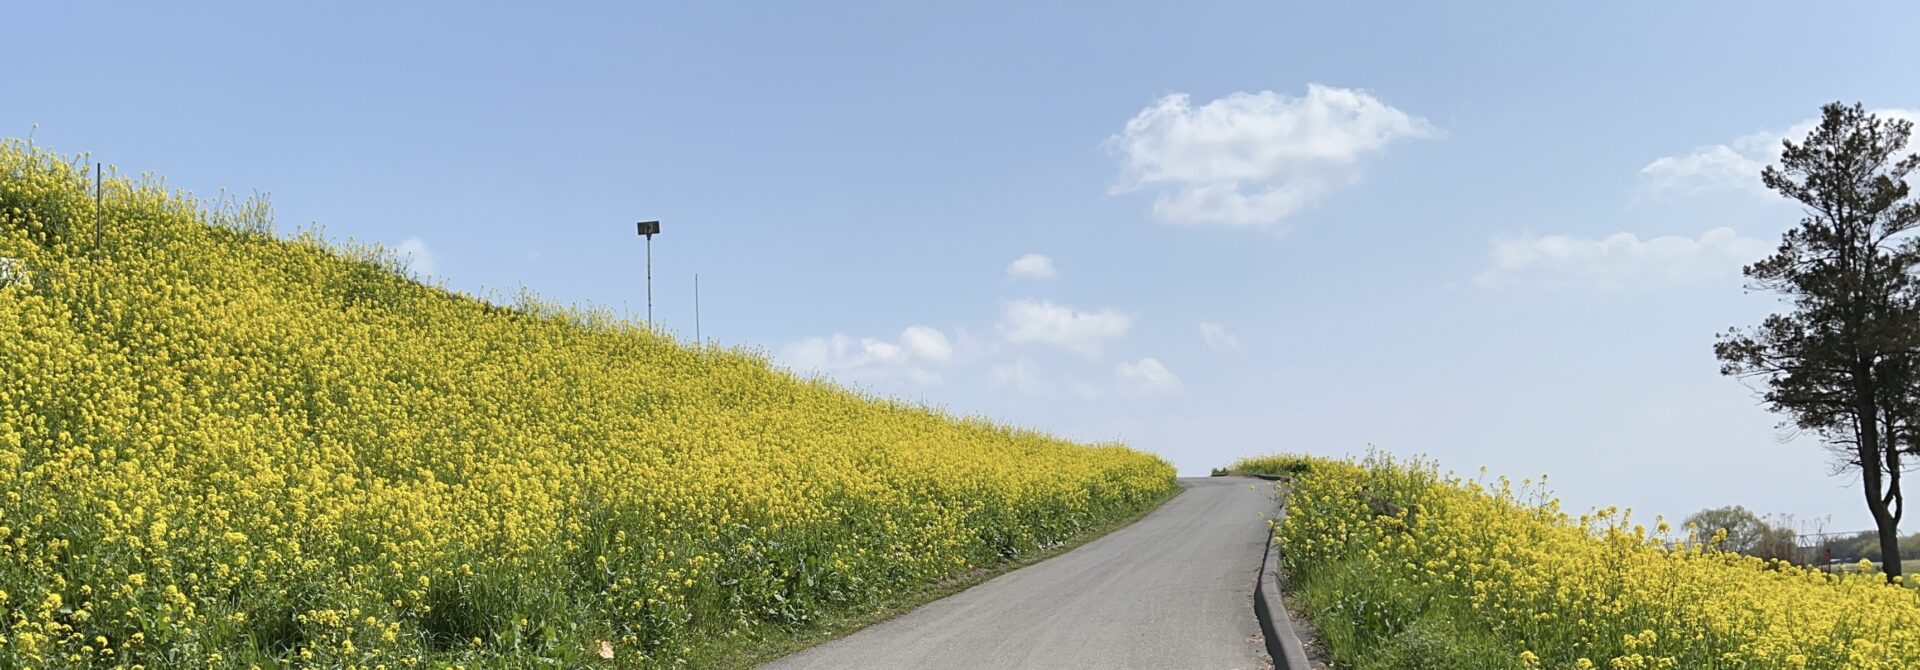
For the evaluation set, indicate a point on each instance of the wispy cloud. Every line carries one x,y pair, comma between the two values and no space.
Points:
1146,376
1218,339
1042,322
414,253
1031,266
1735,165
911,356
1618,259
1022,376
1143,377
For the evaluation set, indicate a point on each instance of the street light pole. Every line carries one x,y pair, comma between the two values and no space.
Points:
649,282
648,229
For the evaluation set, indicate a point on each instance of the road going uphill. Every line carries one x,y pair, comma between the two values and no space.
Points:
1173,590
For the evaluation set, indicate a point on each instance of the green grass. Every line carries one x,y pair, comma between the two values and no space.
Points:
1910,578
1277,465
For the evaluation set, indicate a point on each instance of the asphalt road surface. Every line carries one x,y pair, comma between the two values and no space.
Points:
1174,590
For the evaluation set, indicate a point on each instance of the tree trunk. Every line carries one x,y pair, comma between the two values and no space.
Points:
1889,541
1884,521
1893,503
1871,449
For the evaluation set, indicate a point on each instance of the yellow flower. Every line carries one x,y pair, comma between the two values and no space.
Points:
1506,565
221,435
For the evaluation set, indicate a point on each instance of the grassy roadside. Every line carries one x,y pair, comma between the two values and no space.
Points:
1278,465
1401,567
778,642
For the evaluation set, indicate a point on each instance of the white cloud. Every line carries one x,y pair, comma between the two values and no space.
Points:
1032,266
917,348
1714,168
1022,375
1618,259
927,344
1042,322
1734,166
1251,159
1218,339
1025,378
414,253
1146,376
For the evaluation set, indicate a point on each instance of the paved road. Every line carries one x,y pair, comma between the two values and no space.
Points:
1174,590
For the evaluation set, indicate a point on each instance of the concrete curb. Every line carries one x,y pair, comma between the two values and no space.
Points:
1282,643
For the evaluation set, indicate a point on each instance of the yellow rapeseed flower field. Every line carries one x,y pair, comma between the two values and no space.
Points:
1402,567
220,448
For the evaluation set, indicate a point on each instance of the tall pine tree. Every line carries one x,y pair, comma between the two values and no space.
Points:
1842,363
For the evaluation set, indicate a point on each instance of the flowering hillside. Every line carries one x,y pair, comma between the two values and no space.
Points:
1401,567
221,448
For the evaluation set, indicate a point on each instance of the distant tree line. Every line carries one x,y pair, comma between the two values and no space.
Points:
1866,545
1738,530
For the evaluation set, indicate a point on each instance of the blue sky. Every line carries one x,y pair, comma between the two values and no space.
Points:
1499,235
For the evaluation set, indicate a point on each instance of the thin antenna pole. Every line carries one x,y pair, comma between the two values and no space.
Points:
696,311
99,211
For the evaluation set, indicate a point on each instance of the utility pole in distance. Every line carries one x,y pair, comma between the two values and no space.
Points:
648,229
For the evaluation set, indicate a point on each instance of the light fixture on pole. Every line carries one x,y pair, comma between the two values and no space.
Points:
648,229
